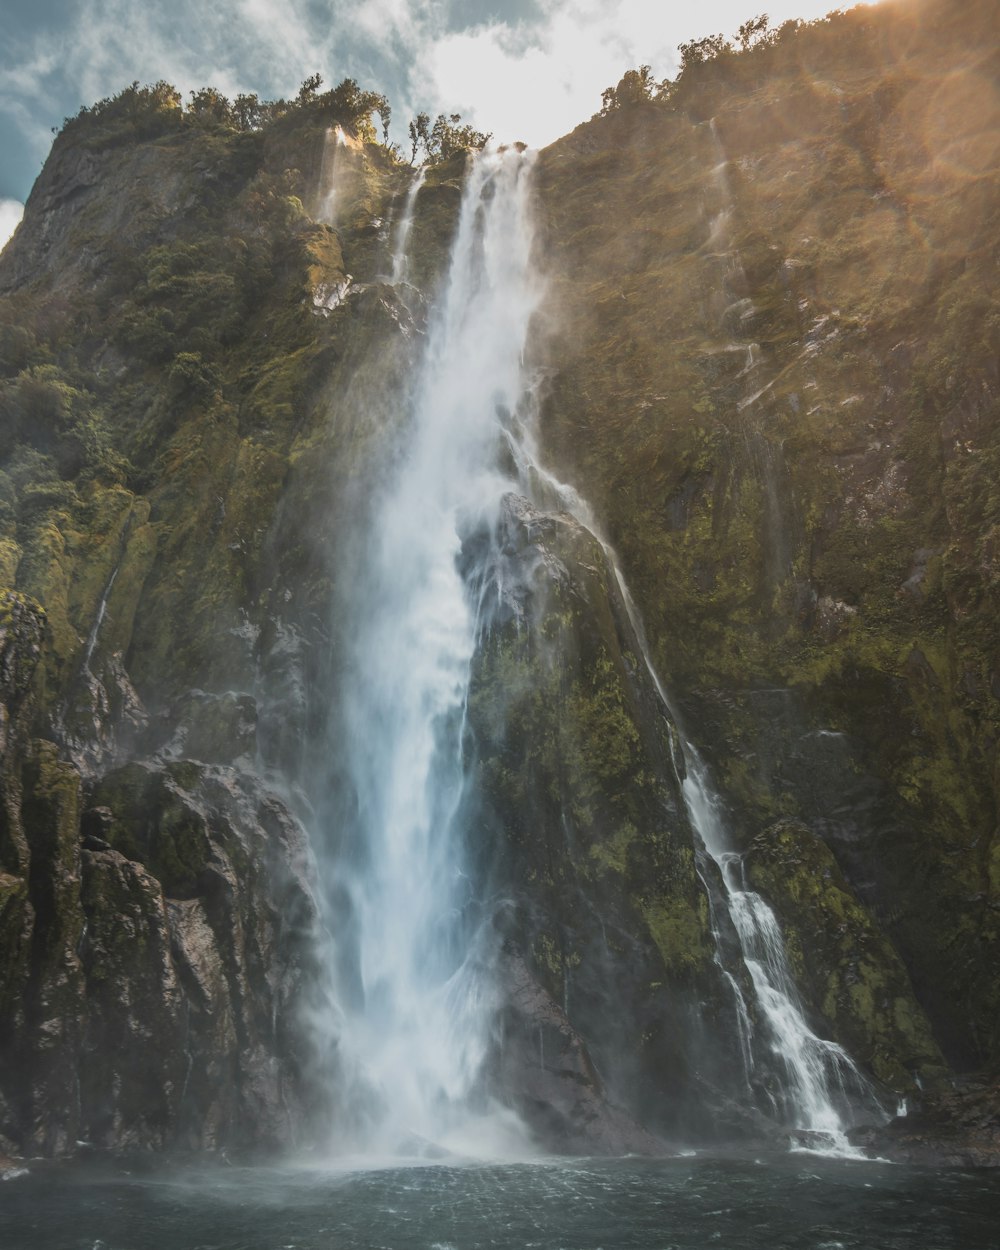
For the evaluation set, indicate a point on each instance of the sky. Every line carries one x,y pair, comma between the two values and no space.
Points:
523,69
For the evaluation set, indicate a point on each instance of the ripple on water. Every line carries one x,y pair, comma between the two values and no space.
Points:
586,1204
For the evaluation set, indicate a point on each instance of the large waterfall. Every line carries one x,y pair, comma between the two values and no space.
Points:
421,999
418,1027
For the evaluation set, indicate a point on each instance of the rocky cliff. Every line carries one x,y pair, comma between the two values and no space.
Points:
769,350
775,368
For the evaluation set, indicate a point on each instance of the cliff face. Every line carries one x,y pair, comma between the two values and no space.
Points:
775,367
770,355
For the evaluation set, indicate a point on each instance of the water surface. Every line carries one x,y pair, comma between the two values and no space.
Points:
696,1203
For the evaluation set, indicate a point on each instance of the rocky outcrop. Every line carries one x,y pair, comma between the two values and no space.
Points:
592,850
957,1127
169,950
556,1088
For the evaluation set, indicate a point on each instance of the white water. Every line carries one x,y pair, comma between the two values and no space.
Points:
420,1031
821,1080
401,246
102,609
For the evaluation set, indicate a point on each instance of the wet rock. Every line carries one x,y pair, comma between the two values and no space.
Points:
214,728
957,1127
544,1063
174,939
590,841
849,974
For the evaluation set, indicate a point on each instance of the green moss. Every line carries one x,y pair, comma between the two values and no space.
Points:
681,932
846,969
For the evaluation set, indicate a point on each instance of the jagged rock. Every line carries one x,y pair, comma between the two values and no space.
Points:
174,957
958,1127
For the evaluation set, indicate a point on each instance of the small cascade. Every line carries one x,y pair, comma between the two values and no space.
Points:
335,147
400,250
822,1086
102,608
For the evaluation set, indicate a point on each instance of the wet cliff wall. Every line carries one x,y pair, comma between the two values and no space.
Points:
770,362
774,368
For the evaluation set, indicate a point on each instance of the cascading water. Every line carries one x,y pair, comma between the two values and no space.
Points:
821,1082
334,146
419,1028
401,246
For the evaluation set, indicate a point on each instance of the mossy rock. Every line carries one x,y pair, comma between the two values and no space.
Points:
155,820
847,970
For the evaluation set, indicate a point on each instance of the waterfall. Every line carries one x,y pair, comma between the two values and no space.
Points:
418,1025
337,175
400,251
419,1007
820,1084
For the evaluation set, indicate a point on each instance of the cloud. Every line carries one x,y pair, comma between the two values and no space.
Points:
11,212
532,71
537,81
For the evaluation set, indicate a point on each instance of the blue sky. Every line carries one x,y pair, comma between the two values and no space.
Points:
524,69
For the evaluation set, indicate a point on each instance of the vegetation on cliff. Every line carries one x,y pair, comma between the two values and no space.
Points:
771,364
779,382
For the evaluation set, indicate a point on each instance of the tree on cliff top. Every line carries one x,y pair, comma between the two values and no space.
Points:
146,112
636,87
444,138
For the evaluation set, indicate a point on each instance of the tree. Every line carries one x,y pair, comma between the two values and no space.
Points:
444,138
210,106
309,88
249,112
384,111
701,50
754,31
352,106
635,87
420,134
449,136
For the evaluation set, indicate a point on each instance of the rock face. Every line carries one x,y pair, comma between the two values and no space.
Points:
777,384
770,365
592,847
159,949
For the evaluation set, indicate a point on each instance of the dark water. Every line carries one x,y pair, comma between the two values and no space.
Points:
798,1202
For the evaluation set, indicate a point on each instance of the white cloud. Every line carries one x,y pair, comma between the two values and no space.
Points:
537,82
11,212
530,79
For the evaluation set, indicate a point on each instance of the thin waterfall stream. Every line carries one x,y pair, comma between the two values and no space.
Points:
419,1025
401,245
